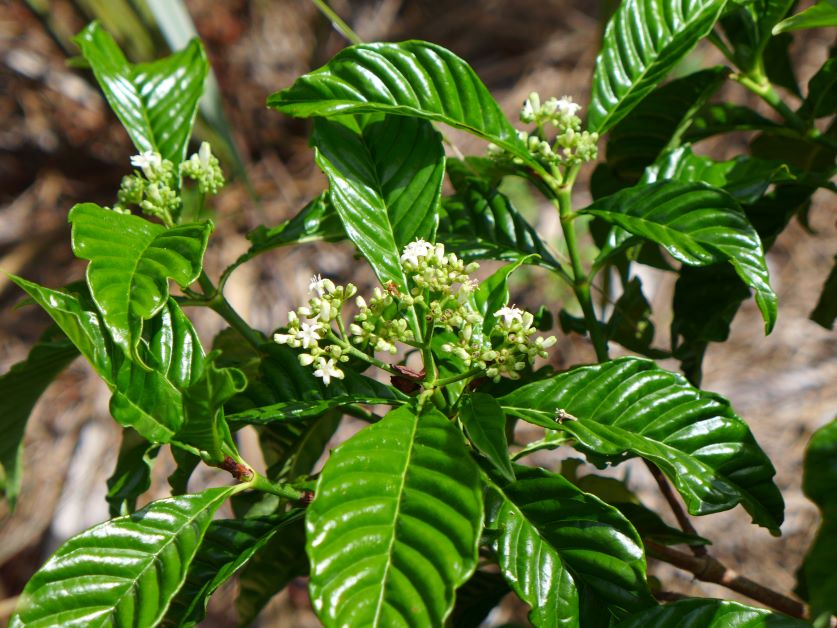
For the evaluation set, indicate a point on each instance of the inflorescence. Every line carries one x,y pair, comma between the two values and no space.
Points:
153,186
570,145
440,300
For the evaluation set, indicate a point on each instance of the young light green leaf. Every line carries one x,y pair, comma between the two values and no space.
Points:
148,555
710,613
411,494
485,425
132,475
480,222
554,539
698,225
156,102
631,406
816,575
412,78
385,181
227,546
131,261
634,59
822,14
20,388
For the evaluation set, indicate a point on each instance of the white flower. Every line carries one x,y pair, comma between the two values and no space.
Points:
282,339
308,335
509,315
414,250
320,287
327,370
567,107
204,154
306,359
149,162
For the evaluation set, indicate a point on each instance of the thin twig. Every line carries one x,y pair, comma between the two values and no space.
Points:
709,569
337,22
676,507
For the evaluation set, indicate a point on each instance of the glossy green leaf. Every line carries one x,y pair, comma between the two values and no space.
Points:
132,475
395,523
385,181
817,575
745,178
643,41
227,545
747,27
698,225
412,78
493,292
553,539
711,614
131,261
123,572
270,569
78,319
719,118
20,388
156,102
826,310
631,406
658,122
316,221
821,15
480,222
822,92
485,425
292,410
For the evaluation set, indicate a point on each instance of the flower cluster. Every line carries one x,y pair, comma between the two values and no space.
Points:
570,146
441,299
153,186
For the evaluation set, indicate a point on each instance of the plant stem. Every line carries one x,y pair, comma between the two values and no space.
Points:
676,507
581,281
337,22
261,483
222,307
455,378
709,569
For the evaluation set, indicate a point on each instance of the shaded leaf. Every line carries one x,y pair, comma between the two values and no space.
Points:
412,78
493,293
631,407
553,539
643,41
480,222
385,182
485,425
698,225
630,323
476,598
148,555
20,388
156,102
826,310
719,118
132,475
706,612
131,261
395,523
822,92
227,546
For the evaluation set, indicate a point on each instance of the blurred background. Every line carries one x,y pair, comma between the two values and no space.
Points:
59,145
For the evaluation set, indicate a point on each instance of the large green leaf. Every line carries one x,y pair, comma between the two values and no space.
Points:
643,41
822,14
485,425
412,78
718,118
227,546
20,389
698,225
659,121
270,569
385,181
156,102
710,614
132,475
481,222
553,539
817,577
395,523
631,406
131,261
123,572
